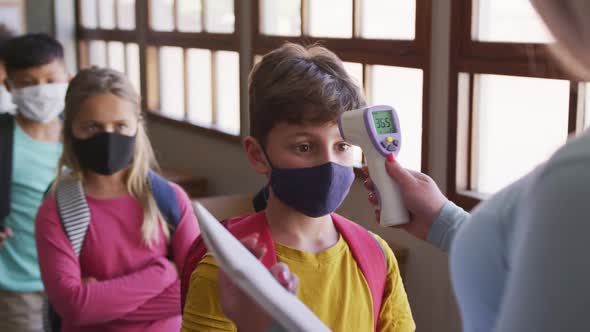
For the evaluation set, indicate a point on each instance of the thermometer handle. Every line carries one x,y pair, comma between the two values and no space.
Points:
393,211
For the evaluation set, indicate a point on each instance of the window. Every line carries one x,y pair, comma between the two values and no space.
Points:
106,36
388,19
200,103
511,106
171,77
181,54
384,44
496,20
503,108
281,18
402,88
190,16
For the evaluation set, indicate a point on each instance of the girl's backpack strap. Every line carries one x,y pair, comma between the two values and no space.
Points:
166,199
73,211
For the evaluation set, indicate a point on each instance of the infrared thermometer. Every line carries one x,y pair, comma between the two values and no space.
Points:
377,132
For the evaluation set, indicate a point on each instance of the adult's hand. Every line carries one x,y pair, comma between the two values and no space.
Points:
420,194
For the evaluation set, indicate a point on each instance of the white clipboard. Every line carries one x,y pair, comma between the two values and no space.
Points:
249,274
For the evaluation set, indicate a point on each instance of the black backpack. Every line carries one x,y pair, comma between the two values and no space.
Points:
6,153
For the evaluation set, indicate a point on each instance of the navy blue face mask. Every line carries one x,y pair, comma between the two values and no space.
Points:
314,191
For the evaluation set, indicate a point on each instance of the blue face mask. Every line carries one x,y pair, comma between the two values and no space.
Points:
313,191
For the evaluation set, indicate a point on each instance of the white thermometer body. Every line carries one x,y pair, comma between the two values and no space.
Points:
376,130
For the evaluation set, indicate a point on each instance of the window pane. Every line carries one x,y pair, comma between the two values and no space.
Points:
88,13
402,89
219,16
172,82
117,56
281,18
133,65
355,70
257,58
228,91
162,15
357,156
97,52
521,121
106,14
126,14
199,84
330,18
388,19
189,15
508,21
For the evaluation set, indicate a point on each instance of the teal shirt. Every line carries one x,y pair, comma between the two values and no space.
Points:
34,167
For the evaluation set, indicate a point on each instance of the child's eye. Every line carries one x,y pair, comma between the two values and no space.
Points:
343,146
303,148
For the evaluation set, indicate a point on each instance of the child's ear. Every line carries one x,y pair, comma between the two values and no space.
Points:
256,156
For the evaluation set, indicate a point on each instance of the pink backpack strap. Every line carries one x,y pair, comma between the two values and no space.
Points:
240,227
256,223
369,256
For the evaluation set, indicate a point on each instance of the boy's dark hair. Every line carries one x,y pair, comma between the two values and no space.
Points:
31,50
5,34
298,84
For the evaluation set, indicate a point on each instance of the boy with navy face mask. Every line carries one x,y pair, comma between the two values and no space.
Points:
347,276
29,151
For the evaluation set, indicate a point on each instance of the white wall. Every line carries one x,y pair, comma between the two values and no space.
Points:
223,163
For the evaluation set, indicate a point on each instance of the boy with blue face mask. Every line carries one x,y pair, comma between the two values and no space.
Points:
29,151
347,276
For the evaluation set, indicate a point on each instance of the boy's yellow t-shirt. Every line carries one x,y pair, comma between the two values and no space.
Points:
330,283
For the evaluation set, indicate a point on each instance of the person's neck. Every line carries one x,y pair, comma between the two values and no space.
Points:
294,229
105,186
49,132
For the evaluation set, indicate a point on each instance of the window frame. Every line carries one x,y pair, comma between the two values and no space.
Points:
470,57
148,42
389,52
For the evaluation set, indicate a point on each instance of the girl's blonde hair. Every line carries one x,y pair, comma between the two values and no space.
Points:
569,22
97,81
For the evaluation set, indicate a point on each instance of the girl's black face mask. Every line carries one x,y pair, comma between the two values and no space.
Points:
105,153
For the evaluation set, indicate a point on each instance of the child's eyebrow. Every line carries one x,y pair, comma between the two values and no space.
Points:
303,134
119,120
